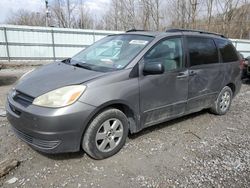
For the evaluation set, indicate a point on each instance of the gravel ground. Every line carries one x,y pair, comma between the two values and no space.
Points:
198,150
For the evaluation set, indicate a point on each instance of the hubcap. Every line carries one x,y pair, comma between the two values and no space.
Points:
109,135
225,101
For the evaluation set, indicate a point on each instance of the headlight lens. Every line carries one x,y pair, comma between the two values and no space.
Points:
60,97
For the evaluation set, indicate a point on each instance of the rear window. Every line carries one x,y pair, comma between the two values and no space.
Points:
227,51
202,51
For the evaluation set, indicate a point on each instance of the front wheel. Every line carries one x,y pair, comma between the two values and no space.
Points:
223,101
106,134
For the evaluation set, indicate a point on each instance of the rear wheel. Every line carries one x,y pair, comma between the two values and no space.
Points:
223,101
106,134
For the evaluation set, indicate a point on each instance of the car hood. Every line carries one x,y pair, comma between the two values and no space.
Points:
53,76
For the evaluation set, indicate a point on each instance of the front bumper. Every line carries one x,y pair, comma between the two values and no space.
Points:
49,130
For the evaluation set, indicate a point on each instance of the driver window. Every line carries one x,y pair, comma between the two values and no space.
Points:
168,52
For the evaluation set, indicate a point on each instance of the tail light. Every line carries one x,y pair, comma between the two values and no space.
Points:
242,64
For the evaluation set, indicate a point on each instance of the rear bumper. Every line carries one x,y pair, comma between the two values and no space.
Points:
49,130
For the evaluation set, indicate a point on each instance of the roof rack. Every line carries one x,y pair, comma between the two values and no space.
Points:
197,31
134,30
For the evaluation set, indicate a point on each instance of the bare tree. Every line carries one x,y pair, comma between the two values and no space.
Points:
63,12
84,20
181,13
130,11
226,9
240,24
145,7
193,5
24,17
58,14
229,17
244,20
210,5
155,13
122,15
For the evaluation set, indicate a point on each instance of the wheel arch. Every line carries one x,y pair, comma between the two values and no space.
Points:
232,87
120,105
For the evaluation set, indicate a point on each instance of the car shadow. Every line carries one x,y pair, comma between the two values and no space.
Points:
246,81
169,123
63,156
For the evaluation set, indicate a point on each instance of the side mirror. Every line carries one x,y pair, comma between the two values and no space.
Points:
153,68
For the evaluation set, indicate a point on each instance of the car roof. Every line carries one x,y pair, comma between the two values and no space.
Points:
147,33
173,32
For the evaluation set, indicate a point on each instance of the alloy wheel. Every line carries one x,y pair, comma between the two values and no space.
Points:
225,101
109,135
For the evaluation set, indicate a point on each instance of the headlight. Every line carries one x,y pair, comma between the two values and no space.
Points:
60,97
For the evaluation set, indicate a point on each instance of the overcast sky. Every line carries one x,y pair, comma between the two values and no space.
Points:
9,6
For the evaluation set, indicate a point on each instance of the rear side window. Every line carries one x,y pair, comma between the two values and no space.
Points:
227,50
202,51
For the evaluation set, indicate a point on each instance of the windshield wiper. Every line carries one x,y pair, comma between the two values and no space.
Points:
67,61
82,65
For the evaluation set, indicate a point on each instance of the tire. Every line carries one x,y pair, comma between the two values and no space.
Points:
106,134
223,101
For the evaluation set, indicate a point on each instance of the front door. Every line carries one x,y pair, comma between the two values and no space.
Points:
164,96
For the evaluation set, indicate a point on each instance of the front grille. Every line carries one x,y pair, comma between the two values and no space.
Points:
23,99
43,144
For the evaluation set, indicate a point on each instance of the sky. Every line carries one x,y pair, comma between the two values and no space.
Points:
9,6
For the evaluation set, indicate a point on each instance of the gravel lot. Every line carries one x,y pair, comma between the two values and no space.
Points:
198,150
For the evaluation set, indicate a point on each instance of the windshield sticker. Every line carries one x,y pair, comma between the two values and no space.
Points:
119,66
138,42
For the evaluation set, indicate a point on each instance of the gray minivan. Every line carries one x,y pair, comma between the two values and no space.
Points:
122,84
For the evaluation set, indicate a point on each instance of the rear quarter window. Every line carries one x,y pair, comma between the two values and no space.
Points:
202,51
227,51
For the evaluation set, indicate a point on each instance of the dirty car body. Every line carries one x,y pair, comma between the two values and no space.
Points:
146,96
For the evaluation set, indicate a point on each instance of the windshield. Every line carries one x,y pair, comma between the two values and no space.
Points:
111,53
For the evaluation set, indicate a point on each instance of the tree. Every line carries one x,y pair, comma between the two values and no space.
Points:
24,17
229,17
62,13
209,6
194,6
226,9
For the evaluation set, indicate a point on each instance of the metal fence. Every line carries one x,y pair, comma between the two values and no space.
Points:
243,46
44,43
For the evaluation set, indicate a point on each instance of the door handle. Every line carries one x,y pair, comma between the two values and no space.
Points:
182,75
